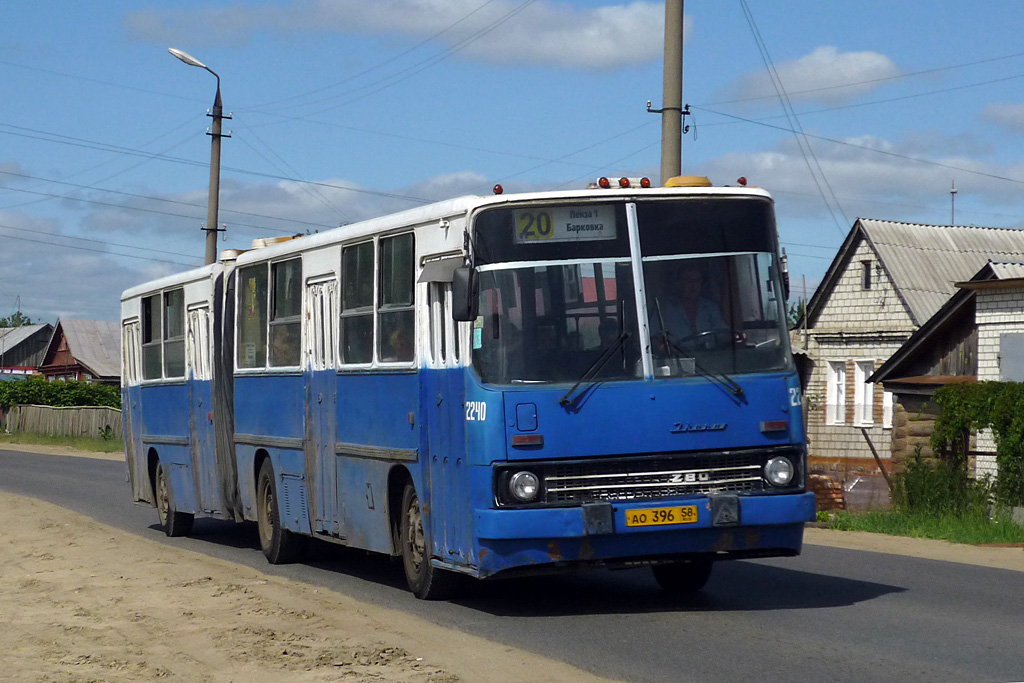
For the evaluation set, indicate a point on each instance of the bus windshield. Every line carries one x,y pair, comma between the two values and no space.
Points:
551,323
557,291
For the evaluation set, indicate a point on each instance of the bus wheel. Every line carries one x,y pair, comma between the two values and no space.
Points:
680,578
426,581
174,523
279,545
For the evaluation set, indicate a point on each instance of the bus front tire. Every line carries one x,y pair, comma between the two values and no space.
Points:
173,522
426,581
683,578
279,545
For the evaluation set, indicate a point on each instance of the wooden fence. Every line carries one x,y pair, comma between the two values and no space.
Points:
87,421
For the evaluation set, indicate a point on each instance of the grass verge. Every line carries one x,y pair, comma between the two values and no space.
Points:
970,529
80,443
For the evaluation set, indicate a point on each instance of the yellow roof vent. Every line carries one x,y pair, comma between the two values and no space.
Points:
688,181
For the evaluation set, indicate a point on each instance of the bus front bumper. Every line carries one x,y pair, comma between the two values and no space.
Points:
726,526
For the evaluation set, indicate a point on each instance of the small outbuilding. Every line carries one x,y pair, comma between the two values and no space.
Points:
22,348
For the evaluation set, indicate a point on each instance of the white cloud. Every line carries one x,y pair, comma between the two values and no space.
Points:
546,32
874,185
816,77
1009,116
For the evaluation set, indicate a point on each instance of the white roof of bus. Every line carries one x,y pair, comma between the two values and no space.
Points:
468,203
170,281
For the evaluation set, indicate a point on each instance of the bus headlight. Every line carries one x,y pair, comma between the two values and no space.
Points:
779,471
524,486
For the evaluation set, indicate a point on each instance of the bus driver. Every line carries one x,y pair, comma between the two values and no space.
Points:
686,312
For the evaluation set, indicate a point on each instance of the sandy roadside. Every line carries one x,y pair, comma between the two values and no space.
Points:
81,601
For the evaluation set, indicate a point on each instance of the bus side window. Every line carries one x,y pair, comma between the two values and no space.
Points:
397,315
252,316
436,309
357,304
286,313
152,337
174,333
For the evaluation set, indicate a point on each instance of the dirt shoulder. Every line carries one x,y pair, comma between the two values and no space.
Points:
983,556
83,601
60,450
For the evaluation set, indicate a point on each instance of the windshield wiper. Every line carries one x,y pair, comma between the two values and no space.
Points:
720,378
594,368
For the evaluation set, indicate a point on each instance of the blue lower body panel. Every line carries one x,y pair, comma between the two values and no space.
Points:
547,538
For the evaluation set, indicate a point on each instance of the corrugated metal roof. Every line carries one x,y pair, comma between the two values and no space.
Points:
1007,271
924,261
12,336
96,344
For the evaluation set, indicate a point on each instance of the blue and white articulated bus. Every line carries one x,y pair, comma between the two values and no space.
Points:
486,387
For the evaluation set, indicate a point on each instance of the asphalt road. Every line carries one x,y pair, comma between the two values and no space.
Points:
830,614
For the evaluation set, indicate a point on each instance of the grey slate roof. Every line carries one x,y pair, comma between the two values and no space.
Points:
1006,271
924,261
12,336
96,344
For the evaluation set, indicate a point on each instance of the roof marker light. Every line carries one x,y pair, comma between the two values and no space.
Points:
742,180
623,182
603,183
498,189
645,182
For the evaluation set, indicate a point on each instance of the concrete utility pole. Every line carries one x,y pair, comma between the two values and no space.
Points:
672,92
213,204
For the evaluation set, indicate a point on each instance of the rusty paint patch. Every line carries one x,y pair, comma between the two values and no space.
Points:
554,552
726,541
586,550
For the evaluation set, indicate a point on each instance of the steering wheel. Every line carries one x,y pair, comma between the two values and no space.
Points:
713,338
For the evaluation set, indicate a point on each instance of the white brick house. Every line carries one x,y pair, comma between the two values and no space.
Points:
887,279
999,316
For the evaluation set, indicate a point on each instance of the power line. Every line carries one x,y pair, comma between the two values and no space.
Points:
423,65
870,149
88,239
791,116
98,251
872,80
91,144
148,198
376,66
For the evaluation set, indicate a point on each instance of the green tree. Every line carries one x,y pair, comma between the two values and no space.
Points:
796,312
15,320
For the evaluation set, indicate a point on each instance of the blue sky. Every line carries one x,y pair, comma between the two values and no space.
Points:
347,109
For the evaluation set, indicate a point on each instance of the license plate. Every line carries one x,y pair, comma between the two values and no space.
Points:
686,514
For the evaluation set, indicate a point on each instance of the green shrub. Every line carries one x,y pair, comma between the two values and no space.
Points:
37,391
939,488
998,406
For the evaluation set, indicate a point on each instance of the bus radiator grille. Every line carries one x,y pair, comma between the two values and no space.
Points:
635,479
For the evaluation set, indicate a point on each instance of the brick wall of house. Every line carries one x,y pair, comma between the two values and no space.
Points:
998,312
854,324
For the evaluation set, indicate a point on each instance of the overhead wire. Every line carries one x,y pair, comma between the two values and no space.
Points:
98,251
379,65
787,107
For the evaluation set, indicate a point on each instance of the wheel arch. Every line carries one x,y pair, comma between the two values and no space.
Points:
398,477
152,461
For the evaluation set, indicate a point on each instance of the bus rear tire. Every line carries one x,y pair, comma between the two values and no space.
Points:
683,578
279,545
426,581
174,523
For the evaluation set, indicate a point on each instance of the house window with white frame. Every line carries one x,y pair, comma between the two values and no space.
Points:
835,393
863,394
887,410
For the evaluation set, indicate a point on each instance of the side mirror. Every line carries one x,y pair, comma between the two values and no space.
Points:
785,274
465,294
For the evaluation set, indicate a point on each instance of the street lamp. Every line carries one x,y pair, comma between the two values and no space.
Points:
217,113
